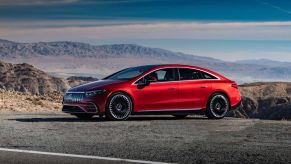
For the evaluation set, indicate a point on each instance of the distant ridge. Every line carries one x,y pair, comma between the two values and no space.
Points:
265,62
77,49
65,58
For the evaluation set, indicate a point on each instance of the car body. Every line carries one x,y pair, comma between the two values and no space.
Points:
173,89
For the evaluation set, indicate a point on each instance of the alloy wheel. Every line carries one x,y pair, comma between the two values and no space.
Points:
119,107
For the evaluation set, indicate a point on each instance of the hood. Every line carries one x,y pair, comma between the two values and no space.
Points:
93,85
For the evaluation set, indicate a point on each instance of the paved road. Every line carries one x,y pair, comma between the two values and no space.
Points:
163,139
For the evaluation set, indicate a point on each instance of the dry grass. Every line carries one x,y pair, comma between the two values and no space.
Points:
12,101
266,90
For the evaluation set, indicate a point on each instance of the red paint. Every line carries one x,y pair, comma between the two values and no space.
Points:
180,94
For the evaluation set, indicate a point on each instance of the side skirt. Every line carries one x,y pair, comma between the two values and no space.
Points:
170,112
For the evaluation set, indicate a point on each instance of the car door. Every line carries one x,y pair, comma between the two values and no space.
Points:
162,92
194,89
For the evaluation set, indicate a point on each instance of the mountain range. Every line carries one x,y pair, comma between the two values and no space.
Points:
65,59
265,62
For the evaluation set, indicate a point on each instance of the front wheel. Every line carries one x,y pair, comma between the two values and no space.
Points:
217,107
119,107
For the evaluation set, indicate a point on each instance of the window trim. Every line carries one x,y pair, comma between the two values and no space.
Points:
179,80
200,71
175,69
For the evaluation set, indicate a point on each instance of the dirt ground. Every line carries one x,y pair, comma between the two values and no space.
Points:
11,101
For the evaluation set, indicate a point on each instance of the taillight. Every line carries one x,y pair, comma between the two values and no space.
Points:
234,85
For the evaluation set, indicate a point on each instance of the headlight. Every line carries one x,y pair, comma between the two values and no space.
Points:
95,92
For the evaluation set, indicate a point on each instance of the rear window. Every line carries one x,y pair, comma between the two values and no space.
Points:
207,75
192,74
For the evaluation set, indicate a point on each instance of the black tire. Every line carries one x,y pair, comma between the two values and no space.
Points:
119,107
217,107
84,116
180,116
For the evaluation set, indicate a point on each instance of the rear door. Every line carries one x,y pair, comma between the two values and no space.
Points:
194,89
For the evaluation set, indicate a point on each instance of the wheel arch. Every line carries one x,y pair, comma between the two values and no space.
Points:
221,92
207,110
122,91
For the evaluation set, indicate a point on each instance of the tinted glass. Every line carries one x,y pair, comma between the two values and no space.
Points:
168,74
189,74
207,76
129,73
192,74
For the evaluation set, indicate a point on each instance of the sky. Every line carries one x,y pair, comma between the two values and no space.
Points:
224,29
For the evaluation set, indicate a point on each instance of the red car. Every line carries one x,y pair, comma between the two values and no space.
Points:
171,89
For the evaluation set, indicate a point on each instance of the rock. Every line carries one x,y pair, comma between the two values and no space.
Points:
26,78
265,101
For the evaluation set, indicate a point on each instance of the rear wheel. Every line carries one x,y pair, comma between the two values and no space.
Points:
119,106
84,116
217,107
180,116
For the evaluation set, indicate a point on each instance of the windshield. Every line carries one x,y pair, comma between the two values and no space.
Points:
129,73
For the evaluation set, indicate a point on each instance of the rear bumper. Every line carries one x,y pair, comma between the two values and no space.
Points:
81,108
237,106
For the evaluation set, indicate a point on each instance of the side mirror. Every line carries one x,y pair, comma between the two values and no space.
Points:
146,81
150,79
142,82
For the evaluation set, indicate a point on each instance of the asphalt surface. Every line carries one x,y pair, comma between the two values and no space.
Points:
152,138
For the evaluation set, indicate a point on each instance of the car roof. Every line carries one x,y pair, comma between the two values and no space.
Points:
157,66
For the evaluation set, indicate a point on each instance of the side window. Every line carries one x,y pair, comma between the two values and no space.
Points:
168,74
207,76
192,74
189,74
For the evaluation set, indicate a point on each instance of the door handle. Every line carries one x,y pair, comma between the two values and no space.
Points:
171,88
203,86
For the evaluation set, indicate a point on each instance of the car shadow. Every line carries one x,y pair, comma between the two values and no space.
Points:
152,118
57,119
98,119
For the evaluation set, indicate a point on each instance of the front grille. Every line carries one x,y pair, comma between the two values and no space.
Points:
73,97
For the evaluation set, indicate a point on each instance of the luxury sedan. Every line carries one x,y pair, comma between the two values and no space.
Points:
171,89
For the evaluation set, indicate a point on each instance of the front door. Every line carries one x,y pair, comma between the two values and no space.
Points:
161,93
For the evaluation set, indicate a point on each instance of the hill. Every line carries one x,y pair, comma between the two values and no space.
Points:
265,100
28,79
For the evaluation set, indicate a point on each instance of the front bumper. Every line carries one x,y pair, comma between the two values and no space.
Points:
81,108
77,102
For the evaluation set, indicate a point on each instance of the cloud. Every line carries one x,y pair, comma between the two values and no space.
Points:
276,7
164,30
34,2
